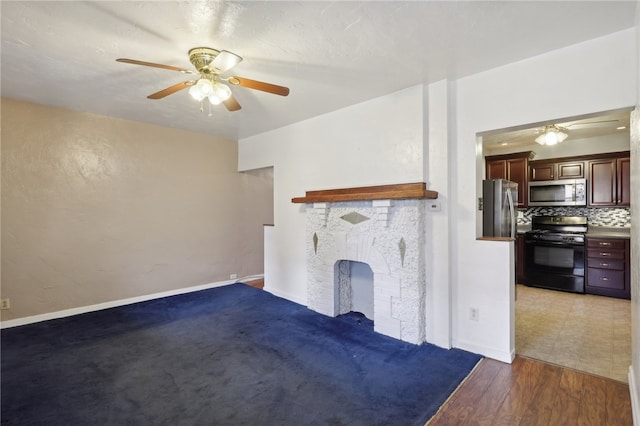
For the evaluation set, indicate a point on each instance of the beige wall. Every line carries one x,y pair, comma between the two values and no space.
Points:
97,209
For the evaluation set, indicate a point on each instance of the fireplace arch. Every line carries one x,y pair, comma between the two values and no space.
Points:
354,283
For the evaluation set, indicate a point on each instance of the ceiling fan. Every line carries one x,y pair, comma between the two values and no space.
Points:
552,134
210,64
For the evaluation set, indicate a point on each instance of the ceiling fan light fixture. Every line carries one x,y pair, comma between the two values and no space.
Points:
195,93
220,94
201,89
205,87
211,64
551,135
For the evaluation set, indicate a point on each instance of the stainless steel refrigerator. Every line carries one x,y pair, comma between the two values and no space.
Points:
499,201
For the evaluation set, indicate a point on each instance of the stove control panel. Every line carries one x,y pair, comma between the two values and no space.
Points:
556,237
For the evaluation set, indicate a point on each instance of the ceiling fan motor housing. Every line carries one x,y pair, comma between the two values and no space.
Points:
201,57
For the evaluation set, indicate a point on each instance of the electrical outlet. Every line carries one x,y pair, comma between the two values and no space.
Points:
233,276
474,314
434,206
5,304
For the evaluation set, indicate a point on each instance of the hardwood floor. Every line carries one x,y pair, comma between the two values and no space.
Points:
530,392
256,283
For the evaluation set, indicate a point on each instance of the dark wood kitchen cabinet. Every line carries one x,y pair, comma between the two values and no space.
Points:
623,175
554,170
608,267
571,170
513,167
542,171
609,182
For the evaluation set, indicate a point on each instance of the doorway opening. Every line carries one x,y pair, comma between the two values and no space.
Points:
582,331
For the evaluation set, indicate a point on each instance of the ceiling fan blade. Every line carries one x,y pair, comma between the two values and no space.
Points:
151,64
259,85
232,104
589,123
225,61
170,90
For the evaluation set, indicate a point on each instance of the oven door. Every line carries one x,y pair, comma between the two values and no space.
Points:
554,265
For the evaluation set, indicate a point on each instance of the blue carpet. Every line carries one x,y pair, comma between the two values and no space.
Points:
232,355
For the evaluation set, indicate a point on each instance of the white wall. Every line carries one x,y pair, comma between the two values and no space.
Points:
376,142
634,373
383,141
439,131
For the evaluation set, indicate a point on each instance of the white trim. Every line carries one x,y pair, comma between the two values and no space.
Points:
250,278
635,398
115,303
498,355
284,295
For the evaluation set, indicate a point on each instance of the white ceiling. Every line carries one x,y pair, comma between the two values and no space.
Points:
330,54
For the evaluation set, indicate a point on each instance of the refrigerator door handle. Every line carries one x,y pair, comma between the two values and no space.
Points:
512,212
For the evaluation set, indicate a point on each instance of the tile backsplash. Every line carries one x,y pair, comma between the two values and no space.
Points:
619,217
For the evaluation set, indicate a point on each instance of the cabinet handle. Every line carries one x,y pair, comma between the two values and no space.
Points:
604,279
605,244
605,254
604,264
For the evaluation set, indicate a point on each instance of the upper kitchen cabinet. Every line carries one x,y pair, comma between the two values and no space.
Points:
555,170
609,181
623,174
513,167
542,171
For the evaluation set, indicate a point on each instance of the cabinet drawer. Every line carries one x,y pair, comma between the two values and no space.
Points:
594,262
605,278
605,254
605,243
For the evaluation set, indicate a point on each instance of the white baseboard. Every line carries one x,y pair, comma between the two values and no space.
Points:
635,398
250,278
284,295
100,306
498,355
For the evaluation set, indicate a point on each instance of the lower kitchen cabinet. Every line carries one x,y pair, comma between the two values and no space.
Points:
608,267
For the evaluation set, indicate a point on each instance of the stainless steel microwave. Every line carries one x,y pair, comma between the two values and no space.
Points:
566,192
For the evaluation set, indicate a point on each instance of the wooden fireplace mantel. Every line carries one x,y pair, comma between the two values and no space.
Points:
400,191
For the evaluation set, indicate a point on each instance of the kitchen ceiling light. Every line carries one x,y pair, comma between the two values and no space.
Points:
551,135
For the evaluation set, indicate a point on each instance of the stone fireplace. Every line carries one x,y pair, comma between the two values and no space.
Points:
388,235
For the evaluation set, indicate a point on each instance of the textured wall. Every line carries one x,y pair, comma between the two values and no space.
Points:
96,209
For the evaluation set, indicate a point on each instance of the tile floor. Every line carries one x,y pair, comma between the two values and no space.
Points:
580,331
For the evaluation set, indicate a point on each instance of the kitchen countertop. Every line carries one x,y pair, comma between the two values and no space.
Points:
521,229
608,232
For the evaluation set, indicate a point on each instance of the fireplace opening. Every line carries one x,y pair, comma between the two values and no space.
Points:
354,288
